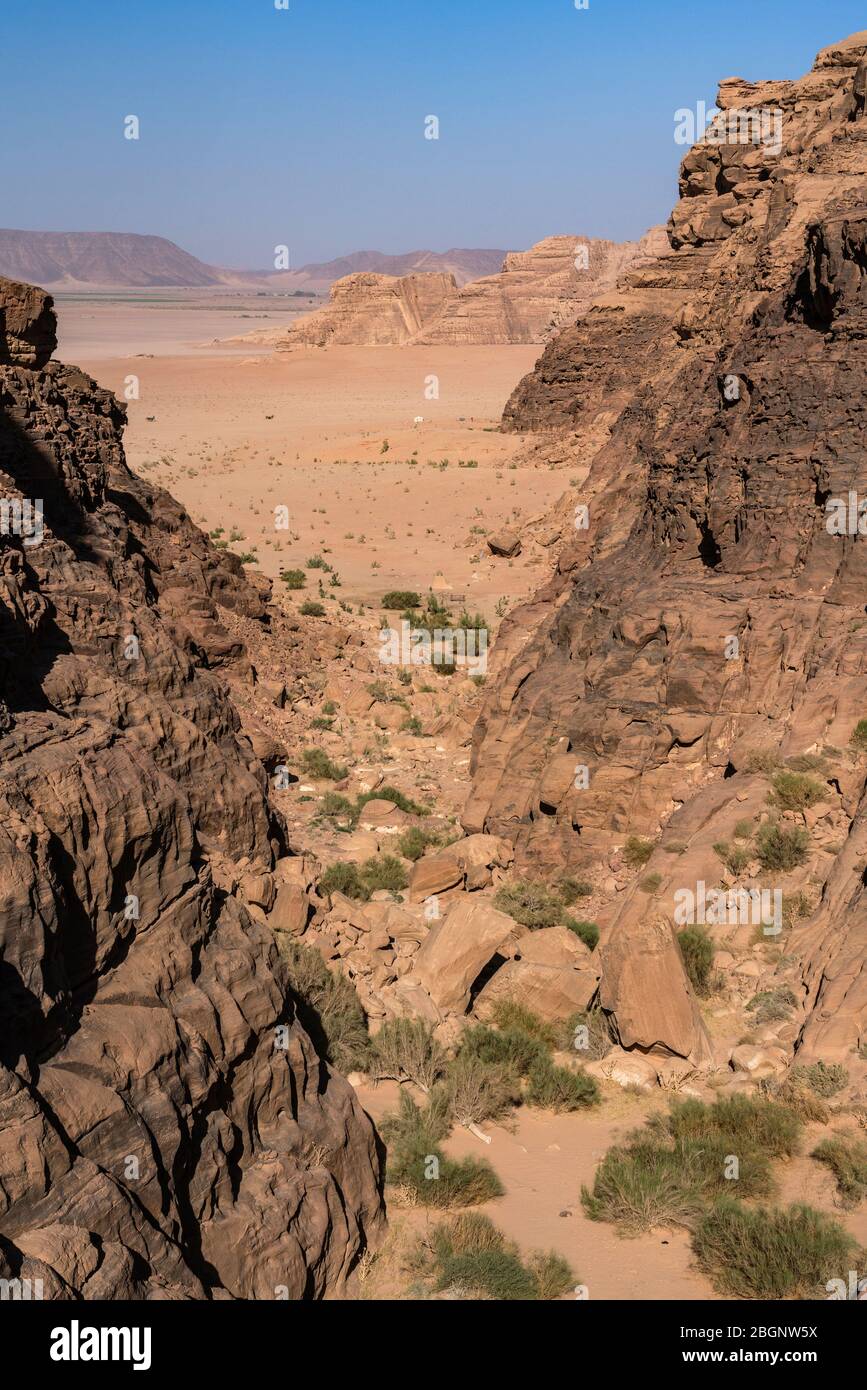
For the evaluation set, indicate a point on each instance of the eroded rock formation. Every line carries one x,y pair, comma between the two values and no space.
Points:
536,292
702,610
166,1127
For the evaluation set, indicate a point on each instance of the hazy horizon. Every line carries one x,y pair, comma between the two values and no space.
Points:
306,128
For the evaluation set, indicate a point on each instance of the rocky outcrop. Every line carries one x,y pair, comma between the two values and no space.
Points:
373,311
166,1128
702,609
536,292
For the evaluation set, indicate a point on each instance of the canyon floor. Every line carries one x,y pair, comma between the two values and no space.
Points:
235,430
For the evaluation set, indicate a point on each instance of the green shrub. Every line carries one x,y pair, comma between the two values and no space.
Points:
414,841
328,1007
511,1048
771,1253
403,803
697,950
793,791
588,932
316,562
469,1253
311,609
772,1005
743,830
405,1049
765,760
413,1137
571,888
636,852
335,806
508,1013
778,847
384,873
847,1159
479,1091
557,1088
644,1184
294,579
651,883
529,903
823,1078
316,763
735,857
344,878
859,736
743,1122
597,1036
401,598
412,725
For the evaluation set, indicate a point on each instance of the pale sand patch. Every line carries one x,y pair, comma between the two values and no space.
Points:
233,438
542,1159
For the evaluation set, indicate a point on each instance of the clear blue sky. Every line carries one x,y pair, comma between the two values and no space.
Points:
305,126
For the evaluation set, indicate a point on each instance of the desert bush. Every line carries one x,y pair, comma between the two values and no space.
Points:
310,608
598,1034
636,852
479,1091
401,598
384,873
645,1184
859,736
744,1123
825,1079
416,1162
335,806
344,878
316,763
403,803
414,841
508,1013
405,1049
743,830
651,883
772,1005
328,1007
735,857
511,1047
529,903
294,579
469,1253
588,932
558,1088
412,725
795,1097
794,791
765,760
847,1159
772,1252
697,950
571,888
781,848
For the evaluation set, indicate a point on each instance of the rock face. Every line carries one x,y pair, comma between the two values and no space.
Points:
166,1127
701,608
373,311
534,294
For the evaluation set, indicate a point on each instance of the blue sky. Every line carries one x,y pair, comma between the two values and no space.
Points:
306,126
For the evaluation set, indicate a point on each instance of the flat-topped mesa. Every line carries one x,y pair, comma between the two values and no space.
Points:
702,607
532,296
159,1098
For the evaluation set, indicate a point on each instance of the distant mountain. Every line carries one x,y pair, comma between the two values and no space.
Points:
113,259
464,265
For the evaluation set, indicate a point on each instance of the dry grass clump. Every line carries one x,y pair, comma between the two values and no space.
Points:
328,1007
771,1252
405,1049
469,1255
847,1159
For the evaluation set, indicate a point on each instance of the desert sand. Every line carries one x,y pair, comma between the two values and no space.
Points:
235,431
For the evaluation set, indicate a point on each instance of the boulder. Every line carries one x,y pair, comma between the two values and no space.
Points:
505,543
457,949
435,873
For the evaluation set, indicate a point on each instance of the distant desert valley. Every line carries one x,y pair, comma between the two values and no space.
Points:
433,717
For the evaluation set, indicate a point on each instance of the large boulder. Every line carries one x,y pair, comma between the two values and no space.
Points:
458,948
552,973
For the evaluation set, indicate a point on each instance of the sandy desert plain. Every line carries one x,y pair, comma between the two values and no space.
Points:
234,429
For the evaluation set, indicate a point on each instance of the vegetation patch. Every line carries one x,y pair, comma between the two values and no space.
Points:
781,848
772,1252
847,1159
328,1007
469,1255
697,950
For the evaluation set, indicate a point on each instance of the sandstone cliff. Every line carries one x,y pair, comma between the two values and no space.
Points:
535,293
705,623
166,1127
